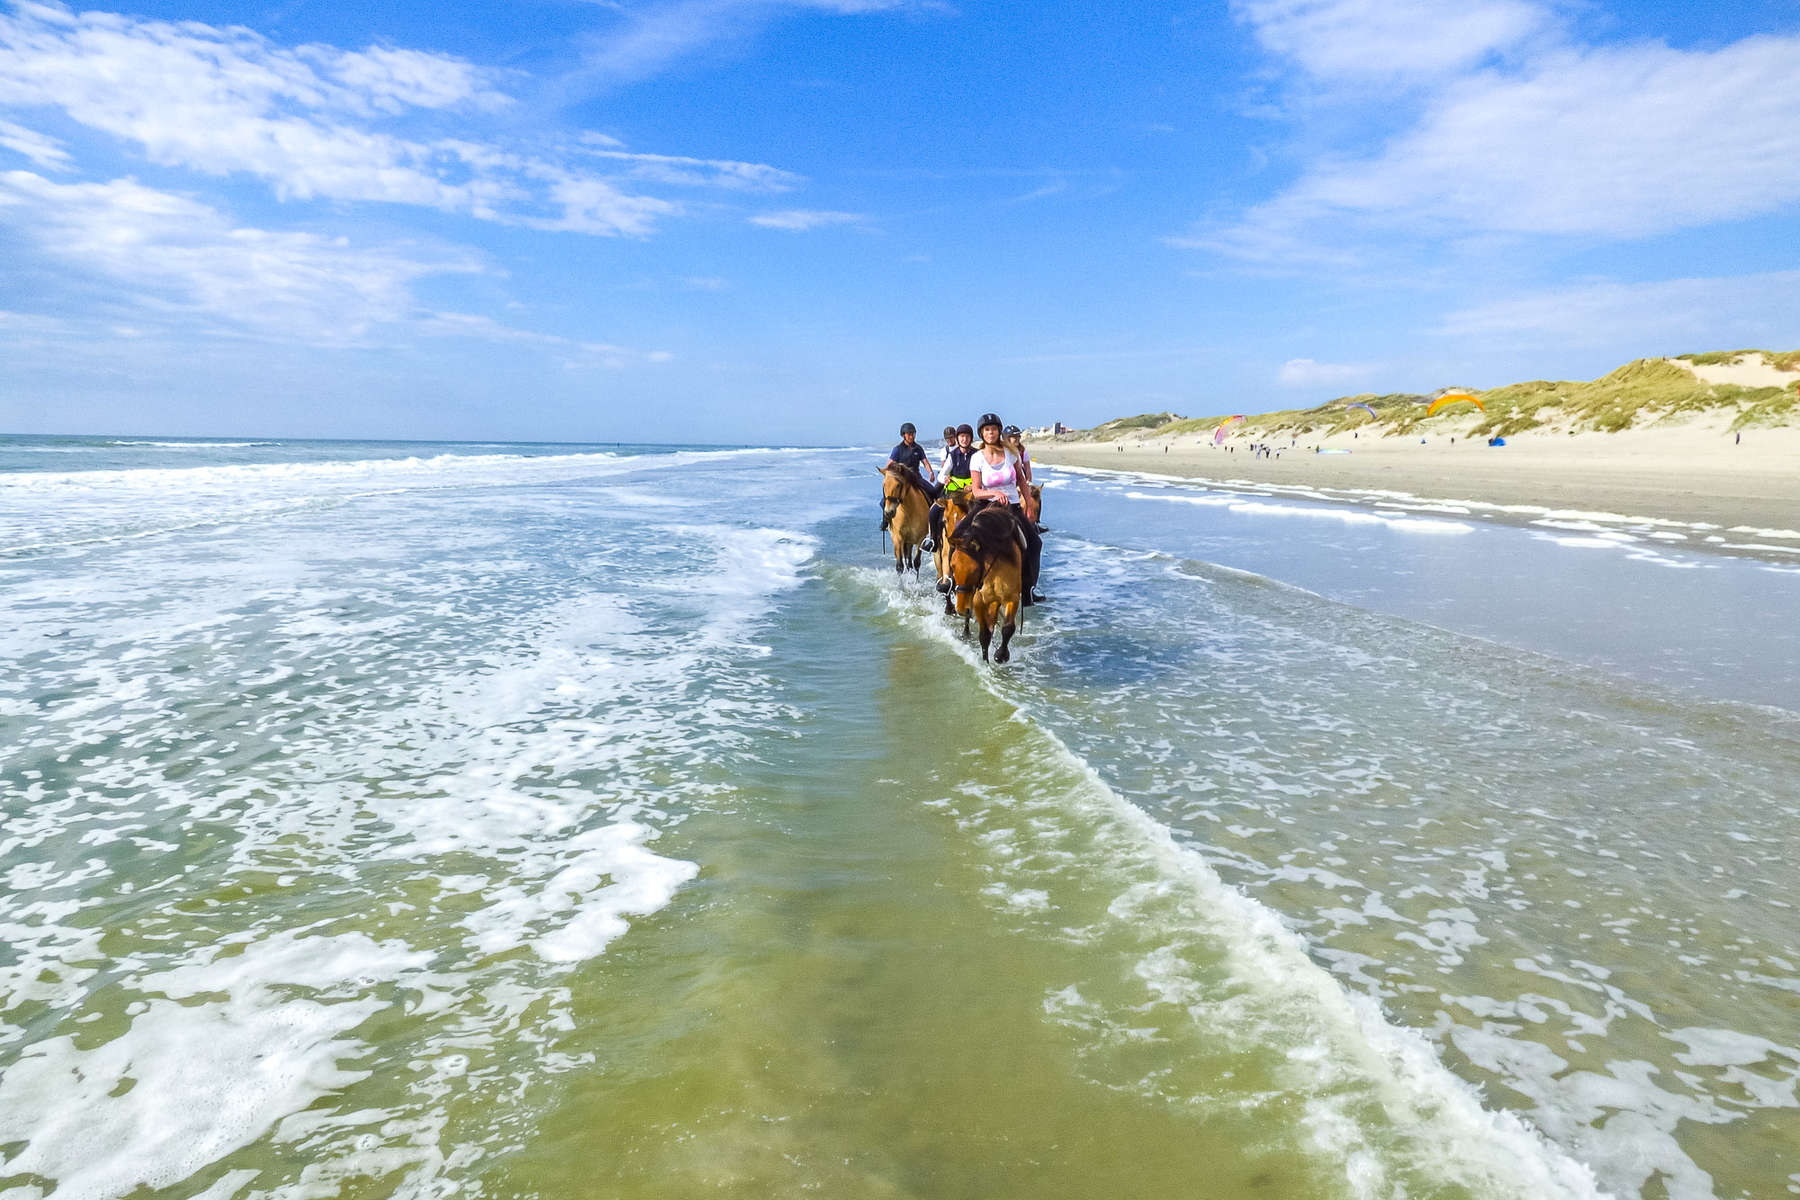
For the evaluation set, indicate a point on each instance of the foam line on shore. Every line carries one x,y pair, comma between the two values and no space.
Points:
1350,516
1381,497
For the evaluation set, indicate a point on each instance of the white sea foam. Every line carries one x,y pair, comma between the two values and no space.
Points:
1656,527
1348,516
59,510
500,745
191,445
191,1082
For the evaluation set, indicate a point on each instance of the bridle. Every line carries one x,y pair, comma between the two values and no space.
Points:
970,589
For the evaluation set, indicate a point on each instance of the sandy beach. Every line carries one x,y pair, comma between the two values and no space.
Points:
1697,473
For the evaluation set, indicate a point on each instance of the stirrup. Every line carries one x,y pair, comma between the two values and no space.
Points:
928,546
944,584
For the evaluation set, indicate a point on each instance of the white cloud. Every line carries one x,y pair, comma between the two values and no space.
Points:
44,151
1703,313
315,121
798,220
589,205
1367,40
1638,140
1304,372
182,261
704,172
394,80
1616,143
574,353
175,263
651,38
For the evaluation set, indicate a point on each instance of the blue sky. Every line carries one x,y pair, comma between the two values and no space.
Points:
807,220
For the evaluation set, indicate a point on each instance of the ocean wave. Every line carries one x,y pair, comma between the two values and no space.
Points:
190,445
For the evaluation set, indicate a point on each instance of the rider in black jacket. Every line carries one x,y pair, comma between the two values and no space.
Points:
909,454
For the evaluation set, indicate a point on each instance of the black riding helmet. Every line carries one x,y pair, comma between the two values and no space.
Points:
986,420
909,428
965,428
1010,431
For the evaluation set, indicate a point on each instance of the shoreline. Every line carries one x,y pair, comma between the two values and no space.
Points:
1737,498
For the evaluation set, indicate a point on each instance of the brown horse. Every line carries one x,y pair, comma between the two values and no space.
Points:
956,507
987,564
908,508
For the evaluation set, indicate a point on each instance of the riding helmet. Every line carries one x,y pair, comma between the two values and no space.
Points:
964,428
909,428
986,420
1011,431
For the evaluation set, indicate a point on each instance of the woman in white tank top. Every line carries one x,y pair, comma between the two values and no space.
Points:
998,475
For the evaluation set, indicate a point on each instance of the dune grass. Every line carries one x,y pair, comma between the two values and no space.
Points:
1120,426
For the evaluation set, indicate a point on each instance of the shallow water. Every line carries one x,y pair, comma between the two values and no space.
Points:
558,821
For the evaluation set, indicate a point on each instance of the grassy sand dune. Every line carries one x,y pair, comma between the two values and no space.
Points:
1753,388
1711,440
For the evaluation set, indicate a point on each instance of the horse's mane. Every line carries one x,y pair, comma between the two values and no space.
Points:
911,475
989,532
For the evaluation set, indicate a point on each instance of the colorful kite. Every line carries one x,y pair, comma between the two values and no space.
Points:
1454,397
1225,426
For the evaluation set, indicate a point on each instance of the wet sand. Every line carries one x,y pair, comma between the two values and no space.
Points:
1695,474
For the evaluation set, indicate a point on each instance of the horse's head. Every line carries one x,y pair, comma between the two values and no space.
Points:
967,567
893,487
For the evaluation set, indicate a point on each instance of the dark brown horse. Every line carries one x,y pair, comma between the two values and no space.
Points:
908,508
987,565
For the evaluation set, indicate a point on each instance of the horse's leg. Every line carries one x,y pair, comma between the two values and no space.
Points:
987,635
1006,634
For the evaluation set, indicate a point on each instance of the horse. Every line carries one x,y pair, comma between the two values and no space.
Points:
956,507
987,565
908,508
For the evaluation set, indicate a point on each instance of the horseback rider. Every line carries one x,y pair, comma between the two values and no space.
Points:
1015,441
954,467
997,475
910,454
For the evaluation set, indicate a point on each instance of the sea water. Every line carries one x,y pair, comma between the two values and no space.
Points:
437,820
